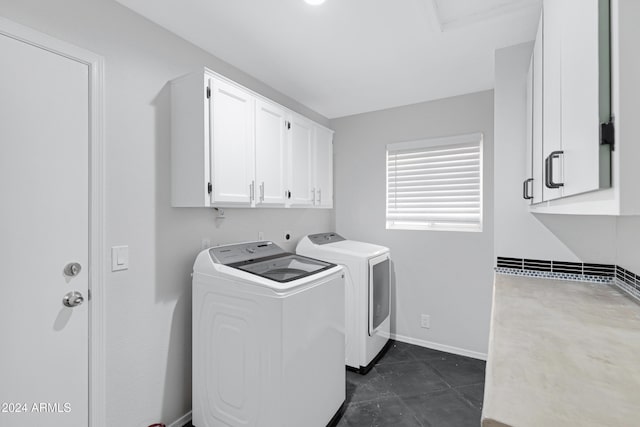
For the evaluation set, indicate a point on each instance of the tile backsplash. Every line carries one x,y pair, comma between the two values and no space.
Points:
628,282
625,280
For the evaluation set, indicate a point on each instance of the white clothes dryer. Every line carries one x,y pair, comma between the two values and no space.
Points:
367,293
268,338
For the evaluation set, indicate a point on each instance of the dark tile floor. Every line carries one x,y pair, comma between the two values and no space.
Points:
414,386
417,387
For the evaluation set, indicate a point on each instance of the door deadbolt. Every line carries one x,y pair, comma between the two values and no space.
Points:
72,269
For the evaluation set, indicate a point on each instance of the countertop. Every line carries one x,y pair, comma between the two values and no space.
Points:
562,353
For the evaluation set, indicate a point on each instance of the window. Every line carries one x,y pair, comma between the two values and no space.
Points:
435,184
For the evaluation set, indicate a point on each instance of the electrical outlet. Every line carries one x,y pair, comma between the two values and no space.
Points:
425,321
260,235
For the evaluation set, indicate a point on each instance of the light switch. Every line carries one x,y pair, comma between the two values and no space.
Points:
119,258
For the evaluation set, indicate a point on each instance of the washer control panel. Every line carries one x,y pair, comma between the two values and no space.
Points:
325,238
229,254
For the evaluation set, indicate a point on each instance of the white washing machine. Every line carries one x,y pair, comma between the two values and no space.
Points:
268,338
367,293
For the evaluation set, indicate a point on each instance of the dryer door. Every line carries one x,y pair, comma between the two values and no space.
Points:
379,291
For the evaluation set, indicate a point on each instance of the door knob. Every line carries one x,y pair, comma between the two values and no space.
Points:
72,269
72,299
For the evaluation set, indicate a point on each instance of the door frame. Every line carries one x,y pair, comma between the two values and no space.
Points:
96,137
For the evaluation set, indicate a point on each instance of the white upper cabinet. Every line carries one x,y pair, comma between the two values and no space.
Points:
311,164
324,167
190,148
301,162
569,99
232,144
271,154
231,147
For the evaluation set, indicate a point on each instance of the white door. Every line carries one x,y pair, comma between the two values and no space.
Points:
232,145
44,137
271,144
324,167
300,162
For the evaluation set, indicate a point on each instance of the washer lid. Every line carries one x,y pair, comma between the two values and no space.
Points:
355,248
283,268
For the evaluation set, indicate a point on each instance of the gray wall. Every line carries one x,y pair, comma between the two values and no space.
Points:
148,324
447,275
599,239
628,243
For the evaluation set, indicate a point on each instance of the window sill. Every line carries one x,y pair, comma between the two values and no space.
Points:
435,227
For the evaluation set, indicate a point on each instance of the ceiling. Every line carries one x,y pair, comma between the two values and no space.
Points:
352,56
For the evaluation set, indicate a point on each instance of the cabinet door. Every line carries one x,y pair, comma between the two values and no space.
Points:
232,144
323,165
190,141
581,97
537,164
300,162
527,184
552,22
271,154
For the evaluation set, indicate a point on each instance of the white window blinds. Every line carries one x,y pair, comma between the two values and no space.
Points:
435,184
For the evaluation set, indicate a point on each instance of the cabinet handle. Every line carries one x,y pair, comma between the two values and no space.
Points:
548,170
251,187
313,196
262,192
319,196
525,189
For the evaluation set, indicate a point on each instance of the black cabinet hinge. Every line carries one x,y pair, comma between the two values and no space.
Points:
209,188
208,92
607,134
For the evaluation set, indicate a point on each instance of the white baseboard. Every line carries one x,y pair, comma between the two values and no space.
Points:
181,421
440,347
